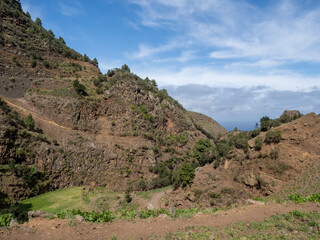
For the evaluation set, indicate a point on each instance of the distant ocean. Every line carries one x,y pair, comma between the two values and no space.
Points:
241,125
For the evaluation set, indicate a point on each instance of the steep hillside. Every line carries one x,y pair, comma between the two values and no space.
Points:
280,162
115,130
30,55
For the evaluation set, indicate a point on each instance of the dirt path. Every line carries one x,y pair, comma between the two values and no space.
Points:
35,115
143,229
155,202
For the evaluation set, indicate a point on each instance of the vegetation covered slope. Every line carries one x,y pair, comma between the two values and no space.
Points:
275,163
115,130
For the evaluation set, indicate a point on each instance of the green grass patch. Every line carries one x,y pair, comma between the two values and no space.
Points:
297,198
57,201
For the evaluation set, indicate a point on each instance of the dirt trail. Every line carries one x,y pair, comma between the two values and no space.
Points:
35,115
155,202
143,229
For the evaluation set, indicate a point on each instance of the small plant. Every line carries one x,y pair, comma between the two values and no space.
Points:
273,136
5,219
297,198
80,89
186,174
213,195
274,153
33,62
128,197
38,22
113,123
258,143
104,216
29,122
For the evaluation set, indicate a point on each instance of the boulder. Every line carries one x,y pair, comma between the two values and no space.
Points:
38,213
250,180
13,223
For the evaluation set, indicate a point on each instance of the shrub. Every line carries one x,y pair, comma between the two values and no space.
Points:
186,174
80,89
5,219
38,22
95,62
86,58
104,216
46,64
33,62
296,198
110,73
201,151
274,153
61,40
255,132
258,143
240,141
4,106
125,68
266,123
213,195
273,136
128,197
29,122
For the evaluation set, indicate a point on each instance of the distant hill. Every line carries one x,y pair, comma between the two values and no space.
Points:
207,124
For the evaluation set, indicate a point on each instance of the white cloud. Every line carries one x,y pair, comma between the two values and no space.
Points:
236,29
243,107
71,8
214,77
145,51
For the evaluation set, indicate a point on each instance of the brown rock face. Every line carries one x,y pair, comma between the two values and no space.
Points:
292,113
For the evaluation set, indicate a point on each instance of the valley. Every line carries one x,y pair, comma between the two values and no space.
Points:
117,152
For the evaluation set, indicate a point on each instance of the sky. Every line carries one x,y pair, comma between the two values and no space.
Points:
233,60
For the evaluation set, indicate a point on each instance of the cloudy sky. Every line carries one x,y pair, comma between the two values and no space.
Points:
234,60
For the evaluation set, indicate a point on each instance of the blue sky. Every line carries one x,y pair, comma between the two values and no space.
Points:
234,60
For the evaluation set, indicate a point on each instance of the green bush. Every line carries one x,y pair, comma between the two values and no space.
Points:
125,68
213,195
5,219
38,22
29,122
33,62
240,141
105,216
201,151
128,197
258,143
266,123
273,136
186,175
297,198
80,89
314,198
274,153
95,62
